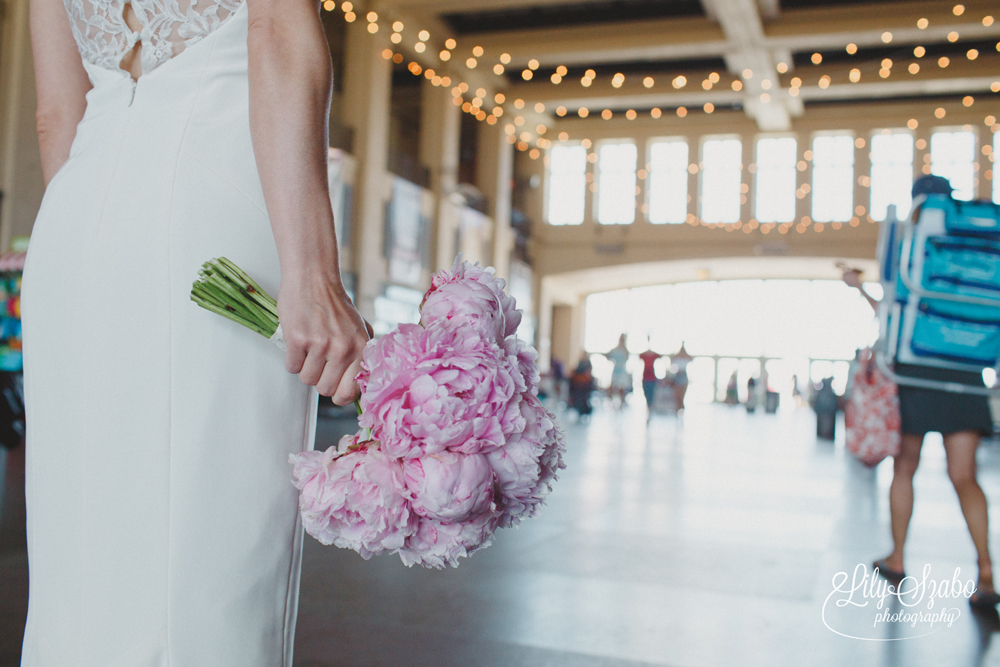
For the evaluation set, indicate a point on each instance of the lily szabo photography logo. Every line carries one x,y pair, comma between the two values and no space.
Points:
866,606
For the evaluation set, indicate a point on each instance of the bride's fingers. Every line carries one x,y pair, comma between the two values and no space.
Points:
295,356
348,389
330,380
312,368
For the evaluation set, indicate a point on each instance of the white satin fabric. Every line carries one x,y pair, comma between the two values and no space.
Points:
162,524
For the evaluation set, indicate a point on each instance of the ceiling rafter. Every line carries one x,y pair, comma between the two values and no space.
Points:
747,53
693,37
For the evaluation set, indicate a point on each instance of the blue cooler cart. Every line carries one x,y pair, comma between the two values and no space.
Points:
941,278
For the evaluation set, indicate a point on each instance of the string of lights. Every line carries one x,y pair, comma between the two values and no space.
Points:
534,142
531,142
678,82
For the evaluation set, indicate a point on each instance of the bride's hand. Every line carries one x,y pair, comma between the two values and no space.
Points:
325,335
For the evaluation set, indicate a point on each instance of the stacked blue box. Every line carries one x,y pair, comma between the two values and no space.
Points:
945,278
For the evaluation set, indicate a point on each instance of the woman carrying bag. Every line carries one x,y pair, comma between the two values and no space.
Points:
961,419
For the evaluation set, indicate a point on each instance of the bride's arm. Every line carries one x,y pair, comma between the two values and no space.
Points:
61,83
291,84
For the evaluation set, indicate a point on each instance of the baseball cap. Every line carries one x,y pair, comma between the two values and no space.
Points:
931,185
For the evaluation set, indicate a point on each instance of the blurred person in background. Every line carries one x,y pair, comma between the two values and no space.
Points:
851,370
797,391
581,385
770,396
665,394
961,419
558,379
648,359
733,390
826,403
552,381
621,379
680,362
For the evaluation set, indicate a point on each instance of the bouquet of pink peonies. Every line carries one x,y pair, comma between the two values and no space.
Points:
454,442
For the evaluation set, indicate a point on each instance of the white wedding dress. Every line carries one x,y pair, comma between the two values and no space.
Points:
162,523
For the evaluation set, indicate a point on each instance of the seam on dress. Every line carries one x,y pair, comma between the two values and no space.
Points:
170,301
235,186
114,173
87,426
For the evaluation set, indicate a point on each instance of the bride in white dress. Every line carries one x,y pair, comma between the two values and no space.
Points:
161,519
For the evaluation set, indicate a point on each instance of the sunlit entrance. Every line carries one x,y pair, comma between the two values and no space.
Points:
796,330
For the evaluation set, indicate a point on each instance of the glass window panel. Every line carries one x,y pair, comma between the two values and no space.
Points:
775,195
668,182
892,174
833,179
953,156
616,183
567,184
720,180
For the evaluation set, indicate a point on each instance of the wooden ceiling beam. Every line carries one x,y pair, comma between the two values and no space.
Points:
659,39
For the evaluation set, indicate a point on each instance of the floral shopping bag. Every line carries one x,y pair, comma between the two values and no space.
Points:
872,415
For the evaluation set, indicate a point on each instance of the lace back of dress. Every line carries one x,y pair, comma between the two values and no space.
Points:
167,28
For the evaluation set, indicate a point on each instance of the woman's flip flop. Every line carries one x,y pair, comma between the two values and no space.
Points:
895,576
984,601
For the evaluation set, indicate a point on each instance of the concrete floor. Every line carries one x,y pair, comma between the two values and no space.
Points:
708,540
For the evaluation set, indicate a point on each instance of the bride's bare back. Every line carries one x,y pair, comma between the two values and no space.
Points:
131,62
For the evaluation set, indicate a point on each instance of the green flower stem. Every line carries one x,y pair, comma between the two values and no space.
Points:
236,291
238,297
239,275
232,312
252,288
231,287
221,299
357,406
225,289
262,302
228,314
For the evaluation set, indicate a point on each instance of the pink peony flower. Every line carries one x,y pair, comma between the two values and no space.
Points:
450,487
353,500
524,358
473,295
437,544
348,441
427,390
551,460
527,464
459,443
